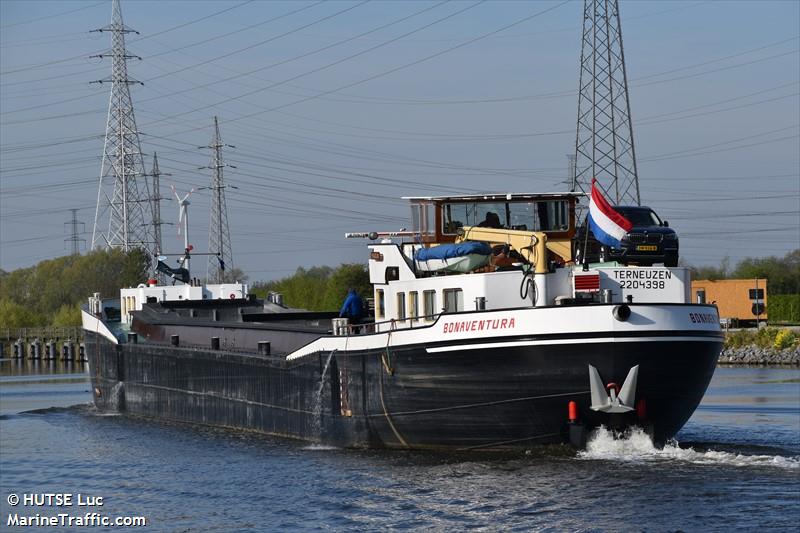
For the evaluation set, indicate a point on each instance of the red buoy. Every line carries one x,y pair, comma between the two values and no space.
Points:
572,410
614,386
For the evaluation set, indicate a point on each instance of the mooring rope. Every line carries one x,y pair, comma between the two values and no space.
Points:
383,403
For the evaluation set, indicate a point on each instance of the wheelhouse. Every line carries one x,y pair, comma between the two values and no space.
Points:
443,219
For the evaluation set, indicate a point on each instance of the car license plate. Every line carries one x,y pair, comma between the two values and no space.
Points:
647,248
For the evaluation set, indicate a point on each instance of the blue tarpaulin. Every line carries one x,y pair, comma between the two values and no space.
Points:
449,251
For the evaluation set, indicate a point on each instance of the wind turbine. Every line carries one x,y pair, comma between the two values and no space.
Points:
183,218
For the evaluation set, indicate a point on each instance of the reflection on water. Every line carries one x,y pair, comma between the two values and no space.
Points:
755,405
34,367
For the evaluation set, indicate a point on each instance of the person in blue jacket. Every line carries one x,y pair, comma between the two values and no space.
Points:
353,307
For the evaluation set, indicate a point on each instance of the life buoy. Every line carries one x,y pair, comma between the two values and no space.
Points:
233,296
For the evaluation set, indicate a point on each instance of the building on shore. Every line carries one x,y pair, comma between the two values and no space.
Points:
740,301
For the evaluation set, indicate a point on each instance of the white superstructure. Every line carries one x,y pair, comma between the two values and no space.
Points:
131,299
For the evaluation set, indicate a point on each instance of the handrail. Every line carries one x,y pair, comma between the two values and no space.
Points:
370,327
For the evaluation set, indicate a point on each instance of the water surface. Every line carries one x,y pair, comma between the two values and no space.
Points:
736,465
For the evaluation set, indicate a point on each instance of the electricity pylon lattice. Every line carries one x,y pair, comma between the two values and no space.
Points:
75,239
604,141
219,236
123,218
155,174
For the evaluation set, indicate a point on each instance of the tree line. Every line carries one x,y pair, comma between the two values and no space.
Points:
318,288
783,281
782,273
51,292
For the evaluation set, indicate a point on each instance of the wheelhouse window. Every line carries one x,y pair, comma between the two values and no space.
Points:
380,304
543,215
401,306
422,219
456,215
453,300
429,305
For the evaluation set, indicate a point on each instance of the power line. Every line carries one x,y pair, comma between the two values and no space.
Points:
51,16
379,75
72,58
301,56
273,38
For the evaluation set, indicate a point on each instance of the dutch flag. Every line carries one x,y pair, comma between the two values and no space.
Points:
606,224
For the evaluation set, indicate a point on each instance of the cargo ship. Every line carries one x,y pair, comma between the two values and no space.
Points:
484,334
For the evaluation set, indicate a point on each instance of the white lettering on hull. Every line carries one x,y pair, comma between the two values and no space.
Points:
463,326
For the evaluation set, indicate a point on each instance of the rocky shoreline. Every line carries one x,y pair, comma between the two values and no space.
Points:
754,355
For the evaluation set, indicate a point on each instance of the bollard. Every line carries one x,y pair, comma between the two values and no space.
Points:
133,338
68,351
264,347
50,350
19,349
82,352
175,340
2,350
215,343
340,326
36,350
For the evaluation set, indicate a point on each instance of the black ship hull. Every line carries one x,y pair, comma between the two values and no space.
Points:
511,396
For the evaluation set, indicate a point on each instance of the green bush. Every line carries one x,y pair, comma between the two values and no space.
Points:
742,337
784,339
769,337
34,296
765,337
319,288
13,315
67,315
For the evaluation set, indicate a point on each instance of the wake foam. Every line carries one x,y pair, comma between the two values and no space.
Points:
635,445
319,448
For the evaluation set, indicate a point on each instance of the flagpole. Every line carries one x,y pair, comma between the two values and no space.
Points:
586,234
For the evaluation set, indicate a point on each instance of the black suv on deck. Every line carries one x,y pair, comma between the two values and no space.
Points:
649,241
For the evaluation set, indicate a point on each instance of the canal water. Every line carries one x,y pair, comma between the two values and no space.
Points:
735,466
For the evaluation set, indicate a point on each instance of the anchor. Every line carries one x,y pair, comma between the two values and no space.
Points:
616,400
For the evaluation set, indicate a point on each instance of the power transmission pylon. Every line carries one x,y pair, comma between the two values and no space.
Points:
123,218
155,174
604,141
158,245
219,236
74,239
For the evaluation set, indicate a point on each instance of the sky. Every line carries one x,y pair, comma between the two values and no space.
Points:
338,109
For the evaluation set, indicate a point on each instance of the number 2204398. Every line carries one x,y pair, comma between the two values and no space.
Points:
642,284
